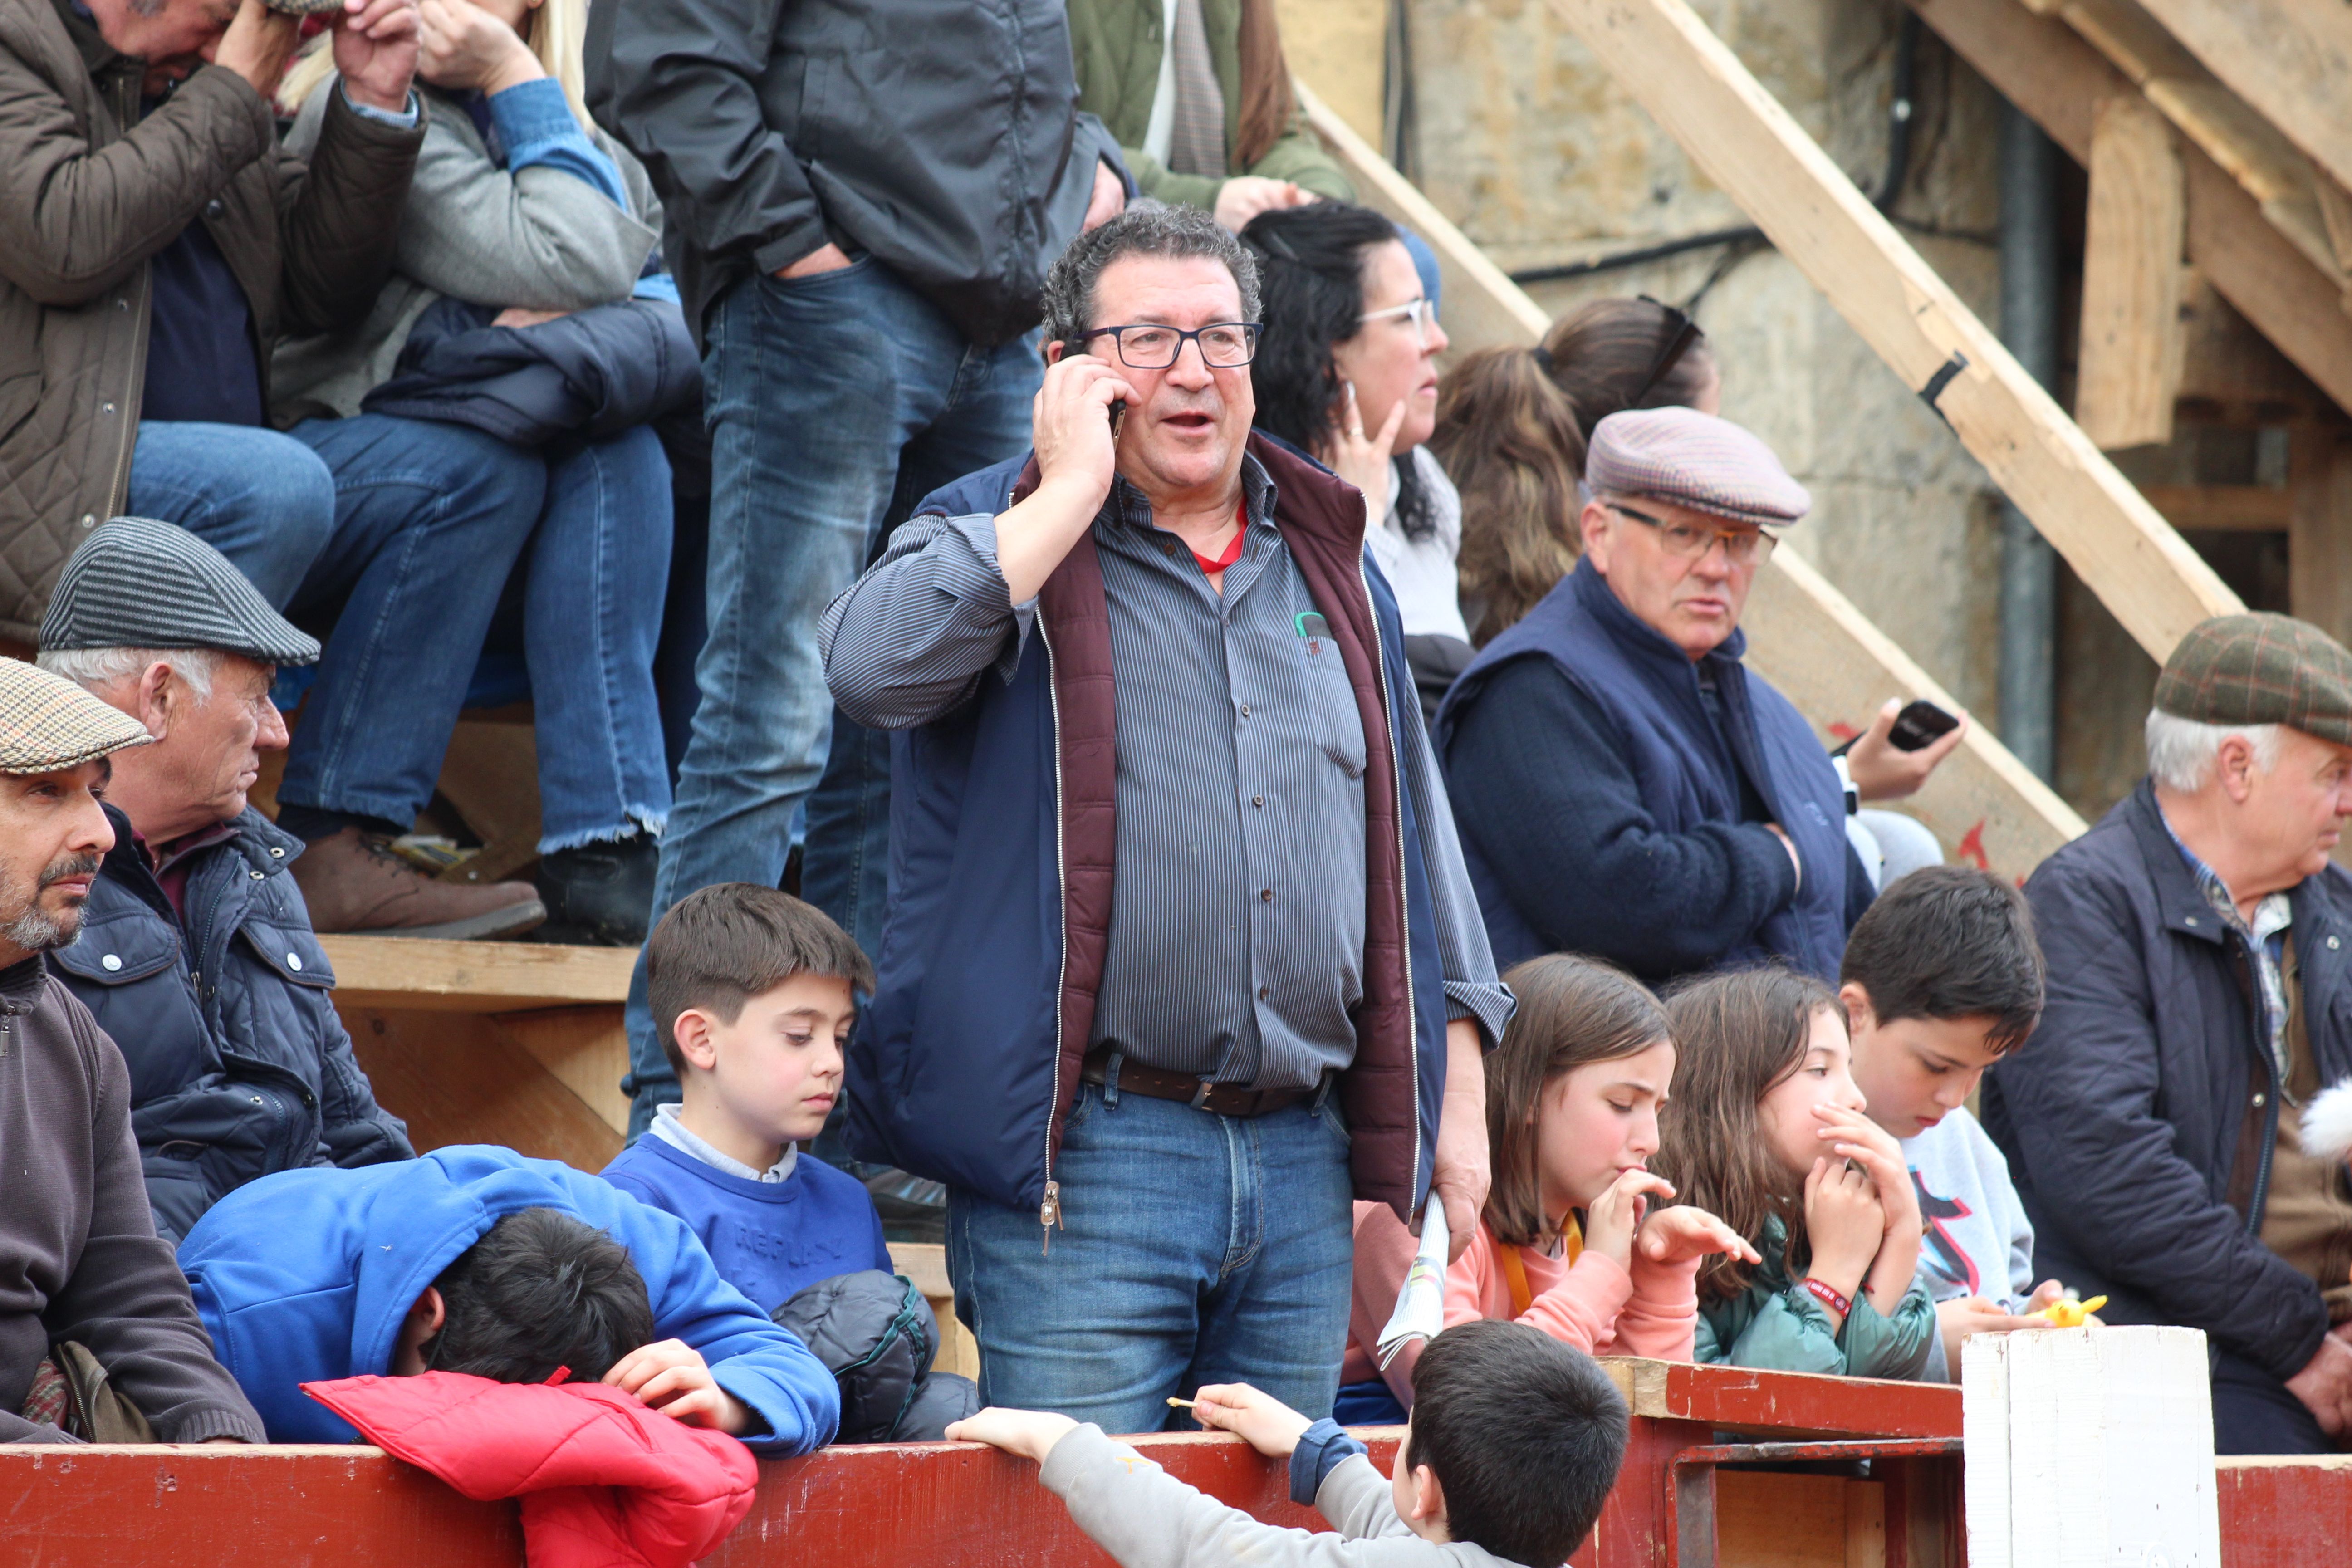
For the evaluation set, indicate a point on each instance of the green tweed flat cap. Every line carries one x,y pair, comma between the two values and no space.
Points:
48,723
2260,669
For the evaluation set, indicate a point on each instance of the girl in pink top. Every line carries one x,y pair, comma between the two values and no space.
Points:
1567,1242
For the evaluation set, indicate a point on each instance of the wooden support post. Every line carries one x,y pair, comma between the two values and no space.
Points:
2290,59
2090,1445
1735,131
2319,528
2132,342
2041,66
1805,635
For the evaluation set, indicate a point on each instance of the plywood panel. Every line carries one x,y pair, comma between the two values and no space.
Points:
460,1078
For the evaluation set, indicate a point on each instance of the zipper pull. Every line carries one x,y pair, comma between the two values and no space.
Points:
1049,1214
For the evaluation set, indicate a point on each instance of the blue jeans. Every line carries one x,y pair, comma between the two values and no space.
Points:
1198,1248
429,519
263,499
576,633
836,403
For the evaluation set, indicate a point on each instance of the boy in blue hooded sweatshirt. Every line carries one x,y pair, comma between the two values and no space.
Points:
319,1274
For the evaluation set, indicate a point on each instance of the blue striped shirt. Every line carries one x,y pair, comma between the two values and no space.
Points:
1236,941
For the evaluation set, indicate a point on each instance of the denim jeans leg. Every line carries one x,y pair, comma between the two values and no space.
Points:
811,384
985,419
1279,1318
1100,1319
263,499
429,519
593,607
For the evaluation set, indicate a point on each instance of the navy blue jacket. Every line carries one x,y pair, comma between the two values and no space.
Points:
1002,827
1686,773
239,1063
2140,1119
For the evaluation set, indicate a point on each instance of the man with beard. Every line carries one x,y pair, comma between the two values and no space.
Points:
98,1338
200,960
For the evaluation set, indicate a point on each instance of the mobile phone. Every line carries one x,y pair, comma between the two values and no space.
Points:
1920,725
1119,415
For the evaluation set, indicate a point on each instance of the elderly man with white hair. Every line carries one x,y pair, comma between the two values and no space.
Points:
2199,945
197,953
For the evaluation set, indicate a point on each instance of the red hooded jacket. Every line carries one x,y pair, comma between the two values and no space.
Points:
605,1482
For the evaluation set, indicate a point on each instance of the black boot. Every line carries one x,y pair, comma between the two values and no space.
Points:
599,895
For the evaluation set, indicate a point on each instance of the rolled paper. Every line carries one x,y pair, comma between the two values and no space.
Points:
1179,1404
1421,1305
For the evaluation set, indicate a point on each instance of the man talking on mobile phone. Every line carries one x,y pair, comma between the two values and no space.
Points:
1182,956
1625,787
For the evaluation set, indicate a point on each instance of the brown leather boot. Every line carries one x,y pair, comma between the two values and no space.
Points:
355,883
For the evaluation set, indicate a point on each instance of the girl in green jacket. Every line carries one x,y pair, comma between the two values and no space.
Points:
1767,1129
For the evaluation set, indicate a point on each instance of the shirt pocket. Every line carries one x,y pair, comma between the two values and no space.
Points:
1338,723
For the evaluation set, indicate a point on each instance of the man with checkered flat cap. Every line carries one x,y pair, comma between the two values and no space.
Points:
198,954
99,1339
1623,784
2199,945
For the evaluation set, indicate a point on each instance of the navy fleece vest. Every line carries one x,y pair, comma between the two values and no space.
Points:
1003,833
1650,692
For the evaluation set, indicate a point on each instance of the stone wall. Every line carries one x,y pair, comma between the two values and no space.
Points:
1524,140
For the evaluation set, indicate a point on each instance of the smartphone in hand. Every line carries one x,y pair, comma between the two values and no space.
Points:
1920,725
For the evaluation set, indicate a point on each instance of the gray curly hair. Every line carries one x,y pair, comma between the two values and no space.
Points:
1145,229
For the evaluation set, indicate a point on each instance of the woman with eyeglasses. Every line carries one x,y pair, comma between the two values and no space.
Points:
1511,428
1346,371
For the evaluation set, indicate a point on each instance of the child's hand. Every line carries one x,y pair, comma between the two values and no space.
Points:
1853,1135
1261,1420
1610,1219
2047,1294
671,1377
1844,1223
1679,1234
1031,1434
1958,1318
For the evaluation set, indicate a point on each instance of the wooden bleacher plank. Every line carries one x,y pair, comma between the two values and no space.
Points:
2039,64
1806,637
1735,1398
475,976
461,1078
1741,137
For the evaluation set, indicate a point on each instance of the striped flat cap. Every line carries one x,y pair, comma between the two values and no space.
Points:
136,583
1692,459
2260,669
46,722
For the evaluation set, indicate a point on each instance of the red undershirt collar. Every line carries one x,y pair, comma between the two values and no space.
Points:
1233,549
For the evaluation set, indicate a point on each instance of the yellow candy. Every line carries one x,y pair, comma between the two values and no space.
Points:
2070,1314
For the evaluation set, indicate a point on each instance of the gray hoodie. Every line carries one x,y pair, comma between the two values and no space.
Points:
1146,1518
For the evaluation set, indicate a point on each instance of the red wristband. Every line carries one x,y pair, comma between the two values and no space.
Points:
1828,1297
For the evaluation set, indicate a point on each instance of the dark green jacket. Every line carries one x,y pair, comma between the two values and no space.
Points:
1777,1324
1118,45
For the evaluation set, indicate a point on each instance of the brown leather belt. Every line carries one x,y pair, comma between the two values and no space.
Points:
1223,1099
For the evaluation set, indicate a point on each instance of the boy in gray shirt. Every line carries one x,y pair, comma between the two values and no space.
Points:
1942,977
1514,1444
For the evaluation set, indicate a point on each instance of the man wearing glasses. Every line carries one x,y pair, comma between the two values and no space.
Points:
1181,953
1624,786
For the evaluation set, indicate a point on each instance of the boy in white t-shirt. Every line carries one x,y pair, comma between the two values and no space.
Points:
1942,977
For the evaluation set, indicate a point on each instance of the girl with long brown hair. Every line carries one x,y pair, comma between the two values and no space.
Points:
1769,1130
1571,1240
1511,427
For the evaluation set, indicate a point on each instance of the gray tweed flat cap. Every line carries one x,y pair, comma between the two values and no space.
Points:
136,583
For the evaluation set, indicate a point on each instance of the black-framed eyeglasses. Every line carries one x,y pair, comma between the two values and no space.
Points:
1224,345
1675,336
1687,541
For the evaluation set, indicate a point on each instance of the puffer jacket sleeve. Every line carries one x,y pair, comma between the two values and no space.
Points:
74,220
1897,1346
2082,1123
340,208
1777,1330
354,1129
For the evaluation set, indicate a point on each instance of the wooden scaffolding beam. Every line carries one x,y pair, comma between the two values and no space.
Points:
2042,66
2132,340
1805,637
1735,131
2289,59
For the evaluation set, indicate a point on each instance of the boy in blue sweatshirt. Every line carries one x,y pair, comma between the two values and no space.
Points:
754,993
318,1274
1942,977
